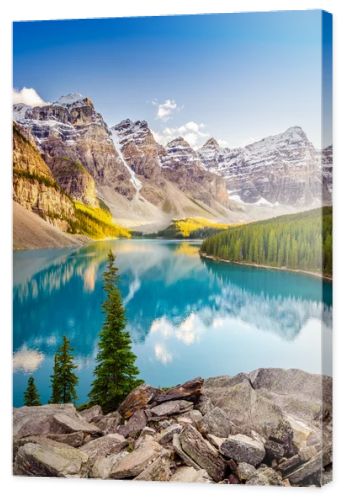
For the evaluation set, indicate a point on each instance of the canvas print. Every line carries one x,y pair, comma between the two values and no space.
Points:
172,260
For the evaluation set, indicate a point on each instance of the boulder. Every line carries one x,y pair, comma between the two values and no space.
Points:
75,439
63,423
170,408
34,459
187,474
166,435
104,446
50,419
215,440
202,453
195,416
306,473
182,454
109,423
103,465
282,435
262,399
274,450
215,422
243,449
190,391
133,464
159,470
134,425
265,476
137,399
90,413
245,471
286,466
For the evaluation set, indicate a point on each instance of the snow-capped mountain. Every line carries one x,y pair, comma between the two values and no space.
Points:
144,182
177,163
70,128
282,169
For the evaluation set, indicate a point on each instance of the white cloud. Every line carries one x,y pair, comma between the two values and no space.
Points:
27,360
192,132
27,96
162,354
166,109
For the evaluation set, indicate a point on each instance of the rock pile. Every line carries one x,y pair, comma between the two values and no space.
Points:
261,428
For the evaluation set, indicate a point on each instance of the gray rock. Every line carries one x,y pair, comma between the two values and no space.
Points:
303,474
265,476
288,465
92,412
184,420
202,452
108,424
215,440
195,416
34,459
187,474
49,419
274,450
243,449
133,464
65,423
75,439
245,471
134,425
262,399
182,454
147,431
103,465
104,446
171,408
159,470
216,422
166,434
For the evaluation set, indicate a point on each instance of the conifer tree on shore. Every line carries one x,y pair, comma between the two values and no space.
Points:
64,379
31,395
115,371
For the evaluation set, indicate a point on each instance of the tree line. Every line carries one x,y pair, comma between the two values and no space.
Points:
115,374
300,241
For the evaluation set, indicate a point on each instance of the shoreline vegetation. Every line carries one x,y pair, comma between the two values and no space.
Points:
300,242
264,266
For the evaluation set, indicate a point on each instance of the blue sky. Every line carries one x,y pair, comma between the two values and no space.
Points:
238,77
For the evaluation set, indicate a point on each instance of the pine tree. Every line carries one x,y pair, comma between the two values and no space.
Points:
115,371
31,395
64,380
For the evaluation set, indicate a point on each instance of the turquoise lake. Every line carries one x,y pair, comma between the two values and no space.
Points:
187,317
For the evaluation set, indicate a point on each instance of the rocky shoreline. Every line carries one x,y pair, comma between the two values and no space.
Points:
267,427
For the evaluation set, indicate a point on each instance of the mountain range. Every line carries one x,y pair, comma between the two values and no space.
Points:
65,154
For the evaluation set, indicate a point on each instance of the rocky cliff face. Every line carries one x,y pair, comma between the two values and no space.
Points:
177,163
71,128
34,186
278,170
75,180
182,165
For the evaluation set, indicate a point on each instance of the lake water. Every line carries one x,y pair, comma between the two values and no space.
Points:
187,317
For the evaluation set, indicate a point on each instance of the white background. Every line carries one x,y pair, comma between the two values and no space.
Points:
84,489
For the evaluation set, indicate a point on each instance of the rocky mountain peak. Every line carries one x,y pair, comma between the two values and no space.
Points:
179,142
211,143
71,98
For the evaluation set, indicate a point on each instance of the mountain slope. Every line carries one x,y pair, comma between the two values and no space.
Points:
30,231
71,128
34,186
278,170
